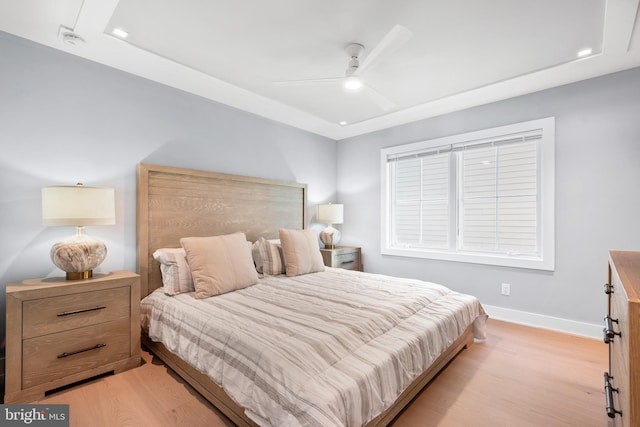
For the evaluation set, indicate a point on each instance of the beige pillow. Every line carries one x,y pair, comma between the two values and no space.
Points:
301,252
219,264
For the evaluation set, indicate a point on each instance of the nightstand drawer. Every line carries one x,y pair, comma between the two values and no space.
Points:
348,261
53,356
346,257
55,314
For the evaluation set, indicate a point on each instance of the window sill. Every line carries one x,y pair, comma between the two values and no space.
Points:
528,262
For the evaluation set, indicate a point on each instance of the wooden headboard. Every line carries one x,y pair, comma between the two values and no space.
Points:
174,202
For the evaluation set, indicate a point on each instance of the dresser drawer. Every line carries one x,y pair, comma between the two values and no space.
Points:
622,331
66,353
619,346
619,350
55,314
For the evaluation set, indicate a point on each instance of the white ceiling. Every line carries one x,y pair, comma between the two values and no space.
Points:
461,53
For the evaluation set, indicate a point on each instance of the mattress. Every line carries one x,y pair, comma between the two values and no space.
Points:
333,348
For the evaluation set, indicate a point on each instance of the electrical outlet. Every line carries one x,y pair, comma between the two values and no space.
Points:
506,289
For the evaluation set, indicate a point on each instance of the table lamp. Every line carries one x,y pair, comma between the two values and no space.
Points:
78,206
330,214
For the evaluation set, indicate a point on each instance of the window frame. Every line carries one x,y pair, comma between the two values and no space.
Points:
546,197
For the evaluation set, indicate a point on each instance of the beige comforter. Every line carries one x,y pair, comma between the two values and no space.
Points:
334,348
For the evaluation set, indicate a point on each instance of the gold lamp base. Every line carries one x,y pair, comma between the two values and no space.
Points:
82,275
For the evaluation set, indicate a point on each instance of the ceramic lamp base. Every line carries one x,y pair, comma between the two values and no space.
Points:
79,255
330,237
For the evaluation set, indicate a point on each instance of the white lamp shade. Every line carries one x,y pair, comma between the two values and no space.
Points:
330,214
78,206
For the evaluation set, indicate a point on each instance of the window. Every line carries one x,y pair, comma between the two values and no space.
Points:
484,197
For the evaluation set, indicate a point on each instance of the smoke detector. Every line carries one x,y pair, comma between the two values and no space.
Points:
69,37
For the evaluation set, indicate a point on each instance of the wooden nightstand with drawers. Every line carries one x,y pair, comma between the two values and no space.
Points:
347,257
63,331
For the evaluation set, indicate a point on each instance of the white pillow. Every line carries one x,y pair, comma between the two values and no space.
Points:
176,275
301,252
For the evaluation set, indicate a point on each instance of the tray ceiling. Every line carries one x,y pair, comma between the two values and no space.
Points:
457,53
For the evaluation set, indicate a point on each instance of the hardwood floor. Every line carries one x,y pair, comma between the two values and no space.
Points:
520,377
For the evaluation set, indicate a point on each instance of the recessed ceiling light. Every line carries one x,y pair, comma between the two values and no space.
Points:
118,32
343,123
585,52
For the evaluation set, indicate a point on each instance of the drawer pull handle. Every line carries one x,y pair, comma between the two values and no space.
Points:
608,391
84,310
609,333
95,347
608,289
351,261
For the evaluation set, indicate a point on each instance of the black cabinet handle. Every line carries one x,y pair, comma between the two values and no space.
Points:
84,310
608,289
95,347
609,333
608,391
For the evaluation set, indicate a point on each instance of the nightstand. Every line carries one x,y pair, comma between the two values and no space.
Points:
63,331
347,257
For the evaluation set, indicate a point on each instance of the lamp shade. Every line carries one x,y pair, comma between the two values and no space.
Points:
78,206
330,214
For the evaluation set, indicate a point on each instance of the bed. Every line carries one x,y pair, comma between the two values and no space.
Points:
286,351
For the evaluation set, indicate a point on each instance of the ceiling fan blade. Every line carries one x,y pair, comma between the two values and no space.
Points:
379,99
394,39
308,81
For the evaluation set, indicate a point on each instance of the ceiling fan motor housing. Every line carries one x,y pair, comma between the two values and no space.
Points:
354,50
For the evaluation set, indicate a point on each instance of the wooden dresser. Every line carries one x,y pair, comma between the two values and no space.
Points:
622,333
60,332
347,257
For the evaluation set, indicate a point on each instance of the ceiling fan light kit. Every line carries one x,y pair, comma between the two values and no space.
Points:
352,83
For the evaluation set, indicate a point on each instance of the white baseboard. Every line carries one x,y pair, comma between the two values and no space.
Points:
546,322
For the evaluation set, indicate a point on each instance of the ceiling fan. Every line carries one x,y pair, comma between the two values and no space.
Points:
353,80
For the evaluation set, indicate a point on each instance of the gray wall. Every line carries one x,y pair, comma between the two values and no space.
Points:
597,195
64,119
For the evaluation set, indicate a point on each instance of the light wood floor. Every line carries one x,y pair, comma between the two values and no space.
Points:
521,376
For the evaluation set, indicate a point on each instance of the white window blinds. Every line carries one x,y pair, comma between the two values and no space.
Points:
472,196
498,200
422,201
